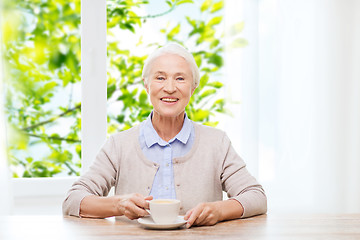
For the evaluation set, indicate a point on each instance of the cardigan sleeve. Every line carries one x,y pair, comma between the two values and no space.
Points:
98,180
240,184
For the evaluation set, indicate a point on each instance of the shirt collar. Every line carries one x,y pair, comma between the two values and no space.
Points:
151,136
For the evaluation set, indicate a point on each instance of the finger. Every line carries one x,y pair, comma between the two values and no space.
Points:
128,210
201,218
194,215
208,216
147,199
142,203
139,200
188,213
140,208
131,207
142,212
134,212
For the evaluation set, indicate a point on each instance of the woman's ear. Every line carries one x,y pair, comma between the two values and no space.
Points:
146,86
193,90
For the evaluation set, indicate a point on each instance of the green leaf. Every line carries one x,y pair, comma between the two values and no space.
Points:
214,43
143,98
217,6
218,104
169,3
215,21
78,150
200,115
207,93
174,31
120,118
205,5
239,43
71,62
56,140
211,124
204,80
216,84
184,1
128,26
57,59
216,60
236,29
198,60
191,21
49,86
113,21
110,90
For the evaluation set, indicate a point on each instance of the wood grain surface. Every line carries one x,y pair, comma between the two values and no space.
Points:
261,227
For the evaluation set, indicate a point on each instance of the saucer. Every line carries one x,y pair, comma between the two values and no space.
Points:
148,222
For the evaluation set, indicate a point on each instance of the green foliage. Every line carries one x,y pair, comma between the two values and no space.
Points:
43,60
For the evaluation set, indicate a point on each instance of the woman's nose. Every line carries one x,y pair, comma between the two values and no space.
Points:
170,86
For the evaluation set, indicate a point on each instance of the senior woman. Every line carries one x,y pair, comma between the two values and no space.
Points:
168,156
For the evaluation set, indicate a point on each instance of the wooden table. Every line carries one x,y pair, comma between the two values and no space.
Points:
260,227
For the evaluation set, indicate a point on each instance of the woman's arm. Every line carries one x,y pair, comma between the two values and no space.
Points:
247,197
96,182
210,213
240,185
132,206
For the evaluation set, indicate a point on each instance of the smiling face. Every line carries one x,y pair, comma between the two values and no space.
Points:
169,85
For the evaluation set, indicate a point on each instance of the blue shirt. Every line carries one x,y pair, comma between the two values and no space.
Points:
161,152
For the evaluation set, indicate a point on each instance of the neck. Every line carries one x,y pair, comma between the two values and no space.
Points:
167,127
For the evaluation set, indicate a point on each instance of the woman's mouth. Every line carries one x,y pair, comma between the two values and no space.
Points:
169,100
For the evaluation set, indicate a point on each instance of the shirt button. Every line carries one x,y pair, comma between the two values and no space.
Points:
167,164
166,188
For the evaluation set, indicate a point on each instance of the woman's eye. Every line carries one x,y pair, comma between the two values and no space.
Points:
180,79
160,78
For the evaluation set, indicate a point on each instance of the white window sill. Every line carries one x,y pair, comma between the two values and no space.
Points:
36,187
39,195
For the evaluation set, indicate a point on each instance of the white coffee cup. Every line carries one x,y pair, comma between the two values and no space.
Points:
164,211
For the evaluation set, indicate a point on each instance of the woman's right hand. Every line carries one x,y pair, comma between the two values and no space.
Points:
133,205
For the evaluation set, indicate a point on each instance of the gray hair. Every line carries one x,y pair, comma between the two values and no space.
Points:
172,48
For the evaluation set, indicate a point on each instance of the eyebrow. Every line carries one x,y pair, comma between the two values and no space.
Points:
160,72
178,73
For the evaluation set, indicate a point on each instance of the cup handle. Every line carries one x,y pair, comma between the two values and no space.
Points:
148,209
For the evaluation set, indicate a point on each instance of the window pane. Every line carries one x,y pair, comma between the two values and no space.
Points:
41,52
137,28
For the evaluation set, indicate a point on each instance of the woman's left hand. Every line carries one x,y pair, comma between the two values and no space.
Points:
210,213
207,214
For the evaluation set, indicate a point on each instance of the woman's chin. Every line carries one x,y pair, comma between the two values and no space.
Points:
169,114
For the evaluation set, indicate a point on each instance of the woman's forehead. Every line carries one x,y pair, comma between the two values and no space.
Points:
170,62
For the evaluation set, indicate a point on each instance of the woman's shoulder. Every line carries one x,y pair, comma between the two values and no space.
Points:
208,131
211,139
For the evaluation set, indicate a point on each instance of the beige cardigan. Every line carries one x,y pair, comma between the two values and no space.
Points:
210,167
